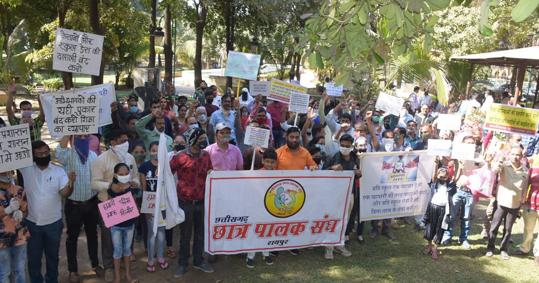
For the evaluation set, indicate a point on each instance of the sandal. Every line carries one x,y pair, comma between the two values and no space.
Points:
150,268
435,255
171,253
133,258
163,264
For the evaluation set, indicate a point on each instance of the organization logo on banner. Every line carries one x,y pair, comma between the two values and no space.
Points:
284,198
399,168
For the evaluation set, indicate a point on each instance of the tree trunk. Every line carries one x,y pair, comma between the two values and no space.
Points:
153,25
117,79
96,28
199,30
67,78
229,22
298,64
167,48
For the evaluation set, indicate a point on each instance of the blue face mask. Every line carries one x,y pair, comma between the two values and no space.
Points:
133,109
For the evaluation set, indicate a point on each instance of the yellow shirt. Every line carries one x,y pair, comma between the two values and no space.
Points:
512,184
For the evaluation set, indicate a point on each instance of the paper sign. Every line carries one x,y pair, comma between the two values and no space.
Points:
15,147
299,103
281,91
242,65
259,88
449,122
257,136
77,52
439,147
510,119
334,90
389,104
74,114
118,210
148,202
463,151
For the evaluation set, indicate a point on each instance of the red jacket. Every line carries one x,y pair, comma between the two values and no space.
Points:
191,172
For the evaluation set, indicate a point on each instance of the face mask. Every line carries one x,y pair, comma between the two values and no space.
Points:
133,109
397,138
7,179
442,182
26,114
121,148
376,119
82,146
156,130
42,161
194,126
202,118
123,179
179,147
139,157
425,136
153,156
202,145
209,100
225,139
345,150
362,150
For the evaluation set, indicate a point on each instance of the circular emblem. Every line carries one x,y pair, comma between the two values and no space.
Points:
284,198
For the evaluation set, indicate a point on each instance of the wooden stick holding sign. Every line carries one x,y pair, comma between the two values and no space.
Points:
256,137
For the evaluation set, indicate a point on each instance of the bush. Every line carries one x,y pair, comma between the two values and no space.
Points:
53,84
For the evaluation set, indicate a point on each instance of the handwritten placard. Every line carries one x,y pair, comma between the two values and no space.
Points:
257,136
281,91
148,202
299,103
242,65
118,210
450,122
463,151
334,90
390,104
15,147
259,88
439,147
75,114
77,52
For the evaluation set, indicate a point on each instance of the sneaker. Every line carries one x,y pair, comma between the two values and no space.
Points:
504,255
344,251
521,252
328,254
360,239
250,263
373,233
489,254
109,275
74,277
466,245
204,267
294,252
268,260
180,271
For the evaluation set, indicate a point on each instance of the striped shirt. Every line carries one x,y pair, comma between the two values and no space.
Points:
70,160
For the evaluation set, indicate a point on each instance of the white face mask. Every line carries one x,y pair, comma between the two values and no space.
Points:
123,179
389,144
345,150
121,149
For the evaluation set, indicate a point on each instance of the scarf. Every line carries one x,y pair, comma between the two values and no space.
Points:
82,147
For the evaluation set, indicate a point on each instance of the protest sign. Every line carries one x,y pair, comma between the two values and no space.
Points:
334,90
15,147
394,184
259,88
299,103
389,104
511,119
242,65
148,202
74,114
439,147
257,136
270,210
77,52
118,210
281,91
463,151
450,122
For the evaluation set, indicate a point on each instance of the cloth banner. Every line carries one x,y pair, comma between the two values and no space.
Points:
15,147
249,211
77,52
394,184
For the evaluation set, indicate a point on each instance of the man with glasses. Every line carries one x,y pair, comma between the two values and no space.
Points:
227,115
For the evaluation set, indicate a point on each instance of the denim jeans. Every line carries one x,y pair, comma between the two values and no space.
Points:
12,263
462,201
44,239
122,238
155,244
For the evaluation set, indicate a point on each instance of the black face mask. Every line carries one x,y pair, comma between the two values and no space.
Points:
179,147
362,150
442,182
202,145
209,100
42,161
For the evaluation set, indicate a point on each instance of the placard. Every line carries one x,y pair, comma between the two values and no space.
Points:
299,103
463,151
439,147
281,91
259,88
148,202
257,137
118,210
390,104
15,147
74,114
334,90
269,210
77,52
450,122
511,119
242,65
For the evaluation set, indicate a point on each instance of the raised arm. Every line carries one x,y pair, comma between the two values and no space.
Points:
11,91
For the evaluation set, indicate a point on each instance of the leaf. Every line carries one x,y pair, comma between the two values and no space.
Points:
438,4
524,9
315,60
363,15
378,58
484,26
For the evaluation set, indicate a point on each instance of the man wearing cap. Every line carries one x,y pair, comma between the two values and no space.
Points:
191,166
224,156
226,115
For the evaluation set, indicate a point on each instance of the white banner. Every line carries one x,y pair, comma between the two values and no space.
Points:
463,151
449,122
15,147
439,147
265,210
77,52
390,104
74,114
334,90
257,136
259,88
394,184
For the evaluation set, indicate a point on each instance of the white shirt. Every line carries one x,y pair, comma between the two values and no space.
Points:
42,189
440,196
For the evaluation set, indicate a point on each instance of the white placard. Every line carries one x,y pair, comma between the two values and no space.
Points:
389,104
15,147
463,151
259,88
77,52
334,90
449,122
257,136
74,114
299,103
148,202
439,147
242,65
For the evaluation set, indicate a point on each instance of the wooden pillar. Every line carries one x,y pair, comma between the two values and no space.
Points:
469,84
520,81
